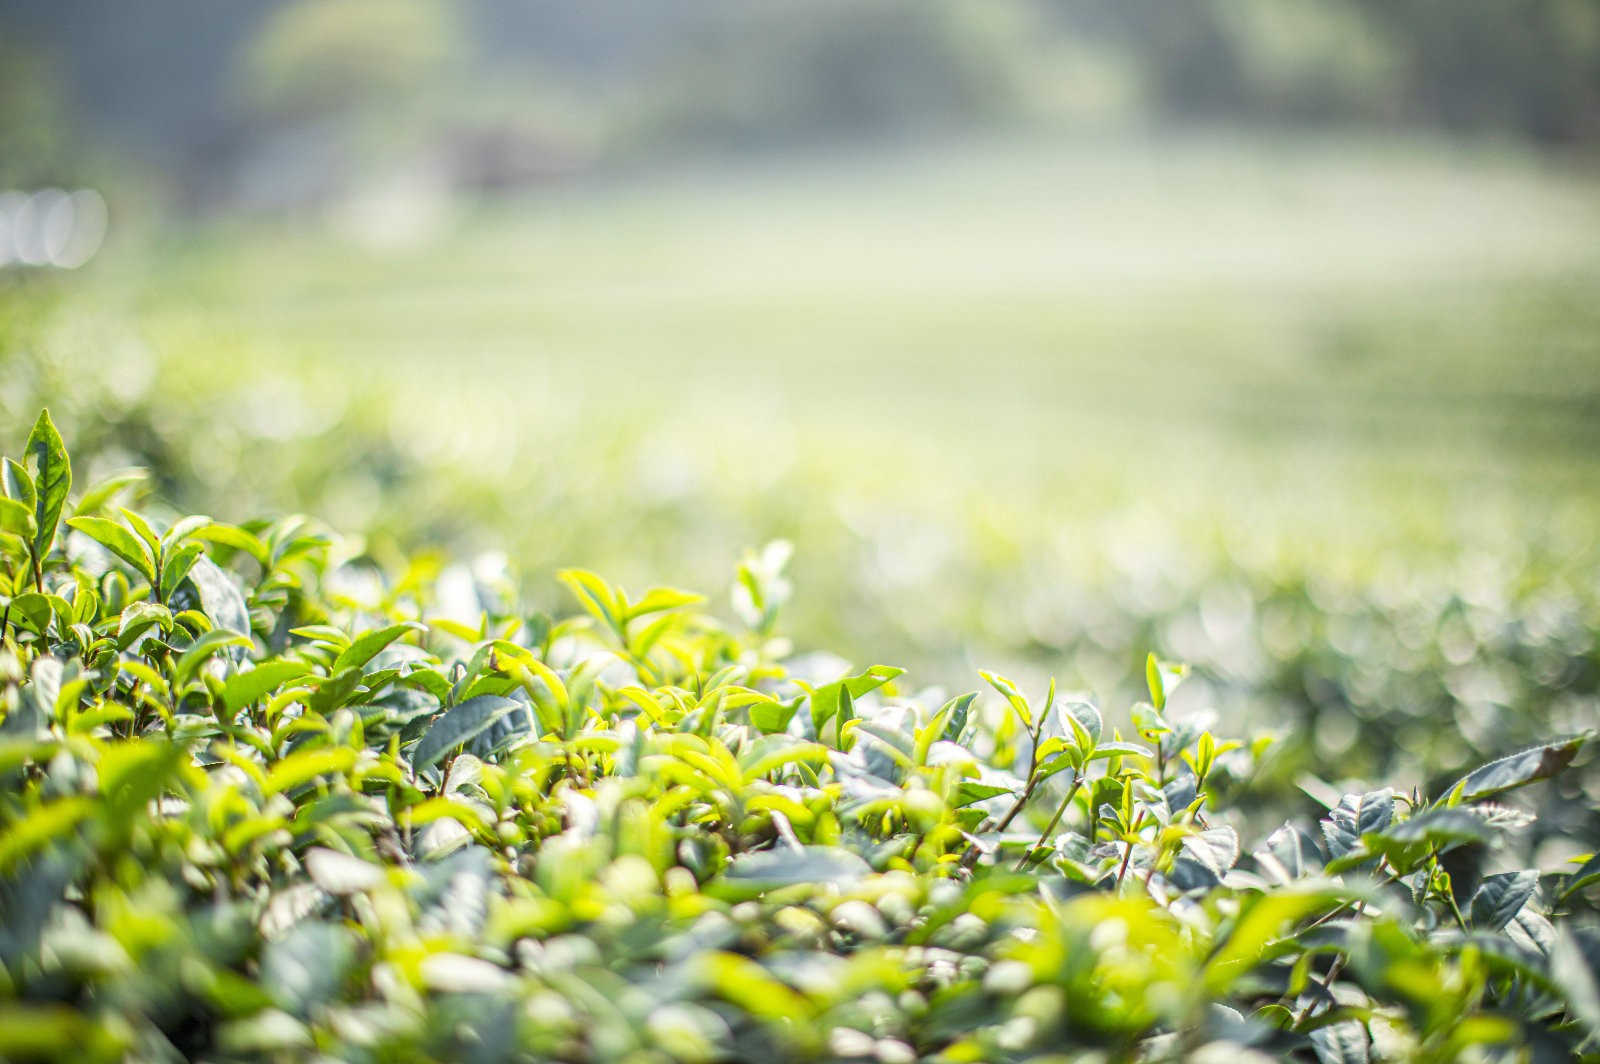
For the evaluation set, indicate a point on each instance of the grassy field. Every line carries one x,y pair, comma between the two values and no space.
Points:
987,390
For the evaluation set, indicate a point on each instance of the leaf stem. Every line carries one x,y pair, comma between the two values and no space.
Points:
1072,792
1127,854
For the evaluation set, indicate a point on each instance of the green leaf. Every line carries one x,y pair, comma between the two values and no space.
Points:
203,647
244,688
322,633
144,531
334,691
1345,1042
1575,967
1148,721
663,598
365,647
42,827
181,529
119,541
51,483
235,537
44,1031
1153,681
1204,858
268,1034
1162,678
1262,918
1518,770
175,569
138,618
36,609
772,717
307,966
958,709
1116,748
808,864
827,699
307,765
596,596
1439,826
44,685
1019,704
133,773
220,596
743,982
1408,841
16,518
969,792
1357,815
19,485
459,725
1585,876
1500,897
1084,720
774,752
97,497
1288,854
339,873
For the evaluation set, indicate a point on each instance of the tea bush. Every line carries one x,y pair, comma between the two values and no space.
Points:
264,798
1353,645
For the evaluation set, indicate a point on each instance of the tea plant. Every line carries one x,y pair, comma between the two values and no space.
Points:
264,796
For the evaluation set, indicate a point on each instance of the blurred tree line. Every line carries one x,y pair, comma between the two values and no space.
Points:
504,91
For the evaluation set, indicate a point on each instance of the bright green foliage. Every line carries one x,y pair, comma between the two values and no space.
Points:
264,798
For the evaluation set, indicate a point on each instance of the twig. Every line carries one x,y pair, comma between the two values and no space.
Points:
1072,792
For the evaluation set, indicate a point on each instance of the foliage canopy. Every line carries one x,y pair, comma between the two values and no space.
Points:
264,798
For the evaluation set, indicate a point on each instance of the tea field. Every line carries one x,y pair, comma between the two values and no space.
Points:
1052,406
265,801
1319,419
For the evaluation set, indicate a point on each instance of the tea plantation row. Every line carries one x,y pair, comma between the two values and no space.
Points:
262,800
1353,642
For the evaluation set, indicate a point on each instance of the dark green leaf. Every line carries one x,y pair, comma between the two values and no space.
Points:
460,724
1289,854
1357,815
1519,769
1500,897
809,864
956,723
1204,858
1438,827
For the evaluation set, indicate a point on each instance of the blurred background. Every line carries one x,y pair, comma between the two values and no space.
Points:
1264,334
